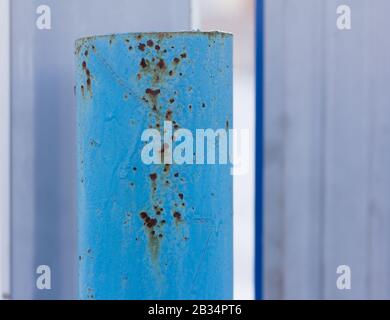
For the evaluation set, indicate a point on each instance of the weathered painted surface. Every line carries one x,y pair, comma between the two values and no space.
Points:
152,231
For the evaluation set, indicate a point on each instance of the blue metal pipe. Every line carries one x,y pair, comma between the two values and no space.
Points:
152,231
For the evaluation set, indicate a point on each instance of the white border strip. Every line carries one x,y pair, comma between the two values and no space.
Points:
195,17
5,144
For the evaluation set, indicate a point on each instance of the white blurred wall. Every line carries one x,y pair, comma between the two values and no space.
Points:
237,17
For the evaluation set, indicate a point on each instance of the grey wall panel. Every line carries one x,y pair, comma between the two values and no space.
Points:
43,127
357,201
347,150
327,136
274,201
293,140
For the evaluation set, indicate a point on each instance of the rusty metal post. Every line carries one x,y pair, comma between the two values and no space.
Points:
152,231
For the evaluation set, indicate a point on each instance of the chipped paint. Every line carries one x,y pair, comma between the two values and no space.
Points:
125,84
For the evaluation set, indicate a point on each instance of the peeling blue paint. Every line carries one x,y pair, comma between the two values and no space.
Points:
152,231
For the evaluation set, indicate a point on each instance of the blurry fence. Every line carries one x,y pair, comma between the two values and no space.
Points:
327,173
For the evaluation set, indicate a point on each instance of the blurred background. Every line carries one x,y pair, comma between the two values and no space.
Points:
327,149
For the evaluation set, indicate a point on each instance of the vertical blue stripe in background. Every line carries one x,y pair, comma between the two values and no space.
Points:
259,150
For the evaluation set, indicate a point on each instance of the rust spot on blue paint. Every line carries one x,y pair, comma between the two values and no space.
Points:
168,115
153,92
161,64
141,46
144,63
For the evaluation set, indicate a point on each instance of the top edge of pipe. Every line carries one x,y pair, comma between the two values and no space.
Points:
156,34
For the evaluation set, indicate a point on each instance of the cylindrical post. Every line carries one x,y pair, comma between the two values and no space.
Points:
154,208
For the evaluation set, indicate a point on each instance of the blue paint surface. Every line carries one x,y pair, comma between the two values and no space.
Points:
259,148
123,88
